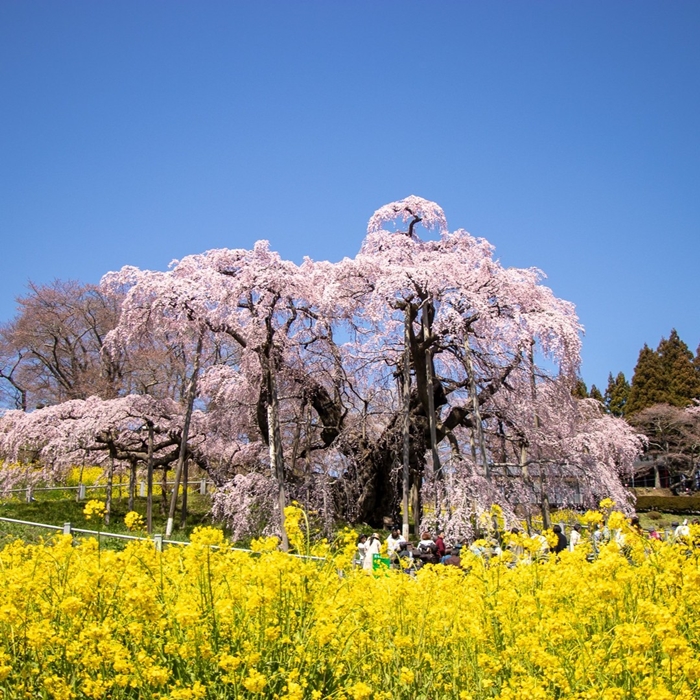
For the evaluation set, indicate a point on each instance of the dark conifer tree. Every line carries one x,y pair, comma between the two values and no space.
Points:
580,390
680,376
617,394
595,394
648,382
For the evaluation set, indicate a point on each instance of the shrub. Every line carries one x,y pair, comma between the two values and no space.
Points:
669,504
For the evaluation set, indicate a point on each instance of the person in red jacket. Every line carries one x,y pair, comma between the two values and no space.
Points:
440,544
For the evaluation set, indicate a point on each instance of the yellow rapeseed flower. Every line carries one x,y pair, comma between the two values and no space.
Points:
79,621
133,521
255,682
94,508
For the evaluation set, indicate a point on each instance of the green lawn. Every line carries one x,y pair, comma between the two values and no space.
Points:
662,521
57,508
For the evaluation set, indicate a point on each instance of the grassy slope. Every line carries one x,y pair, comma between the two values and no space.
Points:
56,508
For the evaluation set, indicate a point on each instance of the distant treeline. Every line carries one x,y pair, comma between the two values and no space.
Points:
662,401
668,375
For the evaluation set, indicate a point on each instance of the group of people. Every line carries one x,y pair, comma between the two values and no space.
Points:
401,554
678,532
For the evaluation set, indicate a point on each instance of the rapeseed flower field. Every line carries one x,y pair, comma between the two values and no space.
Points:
203,622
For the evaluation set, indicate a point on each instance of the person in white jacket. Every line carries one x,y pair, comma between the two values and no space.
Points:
682,530
361,553
393,542
574,537
372,547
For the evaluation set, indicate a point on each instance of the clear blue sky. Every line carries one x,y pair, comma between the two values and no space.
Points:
566,133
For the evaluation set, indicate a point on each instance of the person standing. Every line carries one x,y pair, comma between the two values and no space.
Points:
574,537
361,553
440,544
373,545
561,544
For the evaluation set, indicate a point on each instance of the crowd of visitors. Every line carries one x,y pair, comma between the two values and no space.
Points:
402,554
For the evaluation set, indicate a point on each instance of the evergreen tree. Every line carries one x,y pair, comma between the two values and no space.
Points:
595,394
680,376
580,390
648,382
617,394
